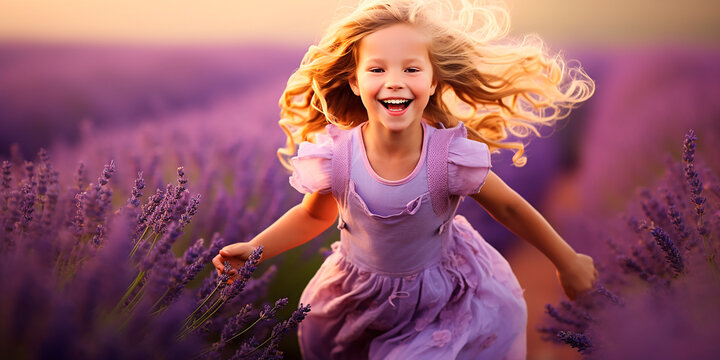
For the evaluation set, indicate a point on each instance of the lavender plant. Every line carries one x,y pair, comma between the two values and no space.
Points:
656,281
90,281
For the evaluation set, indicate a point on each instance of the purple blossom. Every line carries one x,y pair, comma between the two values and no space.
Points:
576,340
78,220
163,245
193,252
191,210
600,289
295,319
99,234
269,312
137,190
234,324
107,173
6,175
672,254
243,275
549,309
28,205
81,179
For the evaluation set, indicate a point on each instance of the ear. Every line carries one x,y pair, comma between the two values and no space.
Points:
354,85
432,88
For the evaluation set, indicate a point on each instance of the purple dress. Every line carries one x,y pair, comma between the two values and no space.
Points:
409,279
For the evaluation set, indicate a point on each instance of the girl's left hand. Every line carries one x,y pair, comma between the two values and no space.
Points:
578,275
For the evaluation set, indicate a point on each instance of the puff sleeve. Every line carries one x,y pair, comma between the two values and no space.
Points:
468,166
312,166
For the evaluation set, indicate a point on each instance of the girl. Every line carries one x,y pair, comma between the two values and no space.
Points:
398,108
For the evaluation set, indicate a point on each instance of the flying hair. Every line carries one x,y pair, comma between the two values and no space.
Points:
496,86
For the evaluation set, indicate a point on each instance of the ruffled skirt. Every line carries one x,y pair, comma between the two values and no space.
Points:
468,306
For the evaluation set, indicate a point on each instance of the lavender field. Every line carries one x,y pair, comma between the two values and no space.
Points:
155,157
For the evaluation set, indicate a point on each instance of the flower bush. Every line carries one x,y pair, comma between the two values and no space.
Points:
659,276
82,279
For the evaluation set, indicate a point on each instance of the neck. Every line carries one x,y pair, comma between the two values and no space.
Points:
384,142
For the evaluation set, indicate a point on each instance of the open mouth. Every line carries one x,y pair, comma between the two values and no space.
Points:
396,104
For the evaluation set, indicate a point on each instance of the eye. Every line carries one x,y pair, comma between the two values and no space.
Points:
375,70
412,70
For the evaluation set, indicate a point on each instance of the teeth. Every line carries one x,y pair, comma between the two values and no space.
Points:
396,102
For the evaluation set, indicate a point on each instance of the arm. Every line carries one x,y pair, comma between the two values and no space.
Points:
576,271
297,226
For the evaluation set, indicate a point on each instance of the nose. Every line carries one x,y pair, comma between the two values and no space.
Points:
394,85
393,82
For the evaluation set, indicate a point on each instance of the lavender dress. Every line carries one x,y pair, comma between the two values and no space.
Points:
409,279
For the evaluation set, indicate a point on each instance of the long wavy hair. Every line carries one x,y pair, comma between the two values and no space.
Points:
494,87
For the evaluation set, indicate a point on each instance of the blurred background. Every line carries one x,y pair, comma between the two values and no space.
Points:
155,85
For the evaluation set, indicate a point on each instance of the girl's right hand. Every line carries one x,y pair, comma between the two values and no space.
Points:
236,254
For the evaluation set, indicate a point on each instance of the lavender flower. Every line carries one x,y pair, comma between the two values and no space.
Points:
672,254
549,309
576,340
191,210
99,234
234,325
295,319
6,175
243,275
137,190
78,220
81,180
193,252
28,205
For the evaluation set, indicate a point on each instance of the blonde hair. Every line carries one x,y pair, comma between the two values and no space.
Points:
494,88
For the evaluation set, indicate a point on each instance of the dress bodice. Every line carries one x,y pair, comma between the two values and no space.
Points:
389,226
393,227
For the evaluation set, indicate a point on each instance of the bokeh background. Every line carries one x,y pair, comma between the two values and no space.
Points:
155,85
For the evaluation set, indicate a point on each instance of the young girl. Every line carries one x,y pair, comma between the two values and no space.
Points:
397,110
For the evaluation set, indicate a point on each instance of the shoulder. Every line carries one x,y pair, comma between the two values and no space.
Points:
312,165
468,166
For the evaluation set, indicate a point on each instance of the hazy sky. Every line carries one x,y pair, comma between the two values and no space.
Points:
596,22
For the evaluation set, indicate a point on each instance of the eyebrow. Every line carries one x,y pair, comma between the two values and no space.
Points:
410,59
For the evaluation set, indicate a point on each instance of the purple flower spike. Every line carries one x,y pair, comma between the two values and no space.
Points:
81,180
691,175
28,205
99,234
107,173
137,190
234,325
672,255
243,275
79,218
297,317
549,309
6,175
191,210
269,312
576,340
689,146
194,252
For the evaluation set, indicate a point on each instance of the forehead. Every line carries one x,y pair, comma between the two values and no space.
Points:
395,42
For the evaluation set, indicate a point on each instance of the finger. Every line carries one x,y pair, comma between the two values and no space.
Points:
218,262
227,251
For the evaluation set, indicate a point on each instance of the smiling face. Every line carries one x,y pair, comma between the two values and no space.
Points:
394,76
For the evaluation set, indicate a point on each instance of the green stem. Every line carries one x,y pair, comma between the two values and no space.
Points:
208,314
138,242
135,282
135,300
263,343
153,243
189,318
246,329
156,311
